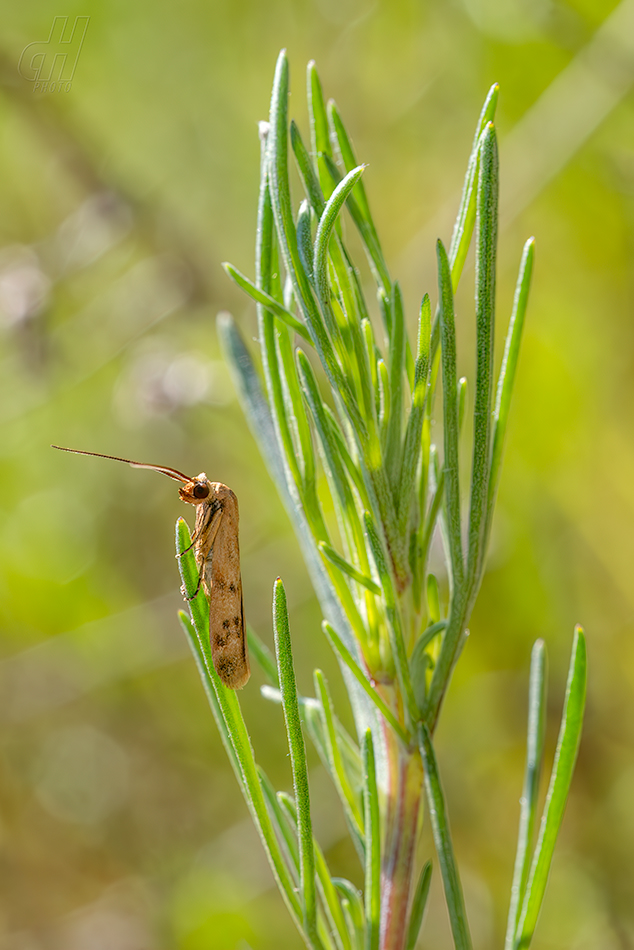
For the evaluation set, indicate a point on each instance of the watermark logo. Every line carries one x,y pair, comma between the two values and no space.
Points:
50,65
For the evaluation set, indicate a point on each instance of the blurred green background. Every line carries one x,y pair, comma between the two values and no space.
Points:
121,826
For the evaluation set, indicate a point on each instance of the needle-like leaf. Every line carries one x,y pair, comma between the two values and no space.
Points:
560,780
261,297
528,802
450,415
372,846
442,840
297,750
419,904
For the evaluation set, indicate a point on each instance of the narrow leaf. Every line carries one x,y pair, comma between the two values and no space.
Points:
319,136
528,802
560,780
277,150
347,568
485,265
267,301
420,662
412,449
463,228
365,227
297,750
348,796
396,369
307,171
340,648
372,846
395,631
305,237
324,230
450,415
418,906
286,832
442,840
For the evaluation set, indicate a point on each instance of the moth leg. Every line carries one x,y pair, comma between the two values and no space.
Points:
195,594
194,538
213,531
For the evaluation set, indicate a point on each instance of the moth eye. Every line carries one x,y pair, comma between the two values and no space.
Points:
200,490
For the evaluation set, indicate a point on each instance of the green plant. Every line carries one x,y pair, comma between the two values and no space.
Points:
363,419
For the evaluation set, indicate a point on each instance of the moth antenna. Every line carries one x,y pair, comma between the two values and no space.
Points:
163,469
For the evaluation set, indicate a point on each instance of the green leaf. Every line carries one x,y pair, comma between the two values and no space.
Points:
420,661
307,172
353,909
463,227
372,846
349,161
451,465
277,151
357,205
528,802
338,441
347,794
430,522
199,657
340,648
338,477
267,301
385,410
297,419
297,750
485,265
287,833
266,265
394,433
412,449
337,926
560,780
419,903
305,236
395,631
433,598
324,229
442,840
462,401
337,457
331,902
347,568
319,137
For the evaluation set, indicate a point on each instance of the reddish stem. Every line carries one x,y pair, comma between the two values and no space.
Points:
405,788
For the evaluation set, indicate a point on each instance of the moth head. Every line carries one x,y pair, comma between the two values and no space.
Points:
196,490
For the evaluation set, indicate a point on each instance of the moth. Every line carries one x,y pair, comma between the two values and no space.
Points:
217,552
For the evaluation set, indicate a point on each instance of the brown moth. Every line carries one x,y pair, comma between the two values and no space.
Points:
217,551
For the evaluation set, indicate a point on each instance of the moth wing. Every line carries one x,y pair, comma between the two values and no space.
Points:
227,632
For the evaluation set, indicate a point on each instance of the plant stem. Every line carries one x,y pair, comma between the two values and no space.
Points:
404,790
